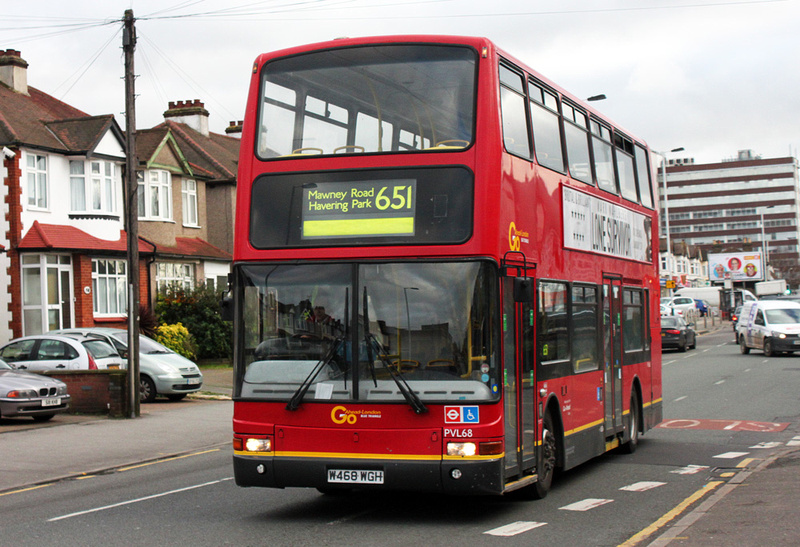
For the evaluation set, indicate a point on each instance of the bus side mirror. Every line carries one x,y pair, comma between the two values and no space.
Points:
226,308
523,289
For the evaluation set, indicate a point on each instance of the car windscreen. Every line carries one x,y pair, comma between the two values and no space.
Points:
670,322
146,345
784,316
99,349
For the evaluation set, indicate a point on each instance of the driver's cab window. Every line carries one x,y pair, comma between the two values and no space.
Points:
759,318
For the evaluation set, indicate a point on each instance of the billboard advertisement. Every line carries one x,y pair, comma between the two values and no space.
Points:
735,266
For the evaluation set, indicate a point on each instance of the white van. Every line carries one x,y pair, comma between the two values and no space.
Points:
714,296
769,325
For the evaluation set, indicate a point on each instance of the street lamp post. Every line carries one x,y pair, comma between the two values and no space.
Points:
666,207
764,245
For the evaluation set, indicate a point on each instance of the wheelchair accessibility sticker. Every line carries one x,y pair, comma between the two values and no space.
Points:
461,415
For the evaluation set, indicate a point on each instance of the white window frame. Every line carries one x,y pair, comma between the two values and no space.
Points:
36,186
154,184
189,202
97,181
172,274
109,290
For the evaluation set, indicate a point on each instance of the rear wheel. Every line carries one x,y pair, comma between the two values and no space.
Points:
743,346
634,421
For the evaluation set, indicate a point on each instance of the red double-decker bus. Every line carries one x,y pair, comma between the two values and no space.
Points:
443,273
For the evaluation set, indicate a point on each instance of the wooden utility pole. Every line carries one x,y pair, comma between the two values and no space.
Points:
132,215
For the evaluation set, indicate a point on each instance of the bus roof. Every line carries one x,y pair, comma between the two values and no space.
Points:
473,41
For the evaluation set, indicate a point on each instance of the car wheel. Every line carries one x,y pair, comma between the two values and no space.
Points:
43,417
147,389
743,346
176,396
682,347
769,350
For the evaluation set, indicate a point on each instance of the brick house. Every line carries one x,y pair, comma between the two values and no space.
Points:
62,239
187,187
63,206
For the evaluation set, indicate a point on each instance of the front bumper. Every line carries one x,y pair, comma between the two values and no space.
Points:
31,407
173,385
476,477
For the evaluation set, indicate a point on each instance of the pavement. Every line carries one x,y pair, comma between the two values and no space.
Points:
756,507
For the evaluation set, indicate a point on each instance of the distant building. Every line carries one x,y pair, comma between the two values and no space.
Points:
718,207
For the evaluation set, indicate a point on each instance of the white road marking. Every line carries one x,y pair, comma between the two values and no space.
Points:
767,445
585,505
689,469
720,382
350,517
137,500
642,486
680,399
794,442
731,455
514,528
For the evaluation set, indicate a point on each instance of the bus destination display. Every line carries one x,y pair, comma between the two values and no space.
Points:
358,209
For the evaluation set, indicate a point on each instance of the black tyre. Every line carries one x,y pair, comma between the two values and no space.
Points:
743,346
43,417
634,424
147,389
547,468
682,347
769,348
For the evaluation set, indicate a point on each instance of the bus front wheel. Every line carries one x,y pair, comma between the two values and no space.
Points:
548,460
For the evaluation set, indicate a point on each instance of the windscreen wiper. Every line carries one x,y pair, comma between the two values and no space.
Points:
297,398
408,394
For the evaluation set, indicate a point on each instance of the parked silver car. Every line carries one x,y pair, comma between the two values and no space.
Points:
60,352
161,370
34,395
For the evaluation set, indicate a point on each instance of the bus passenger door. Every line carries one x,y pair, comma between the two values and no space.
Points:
612,355
519,381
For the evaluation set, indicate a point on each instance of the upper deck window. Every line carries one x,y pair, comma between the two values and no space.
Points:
576,131
603,162
546,128
382,98
625,167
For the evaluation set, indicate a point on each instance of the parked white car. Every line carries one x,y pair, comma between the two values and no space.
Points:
679,305
161,370
60,352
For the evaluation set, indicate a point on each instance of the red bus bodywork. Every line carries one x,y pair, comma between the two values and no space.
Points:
518,225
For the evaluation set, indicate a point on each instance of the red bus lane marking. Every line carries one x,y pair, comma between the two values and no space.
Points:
724,425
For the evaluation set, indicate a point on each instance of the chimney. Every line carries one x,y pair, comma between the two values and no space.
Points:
14,71
192,113
234,129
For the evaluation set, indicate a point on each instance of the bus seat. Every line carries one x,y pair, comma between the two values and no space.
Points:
406,365
442,364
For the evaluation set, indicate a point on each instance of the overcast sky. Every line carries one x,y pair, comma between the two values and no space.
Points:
711,76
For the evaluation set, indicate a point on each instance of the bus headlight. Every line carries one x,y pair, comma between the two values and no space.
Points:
461,449
252,444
